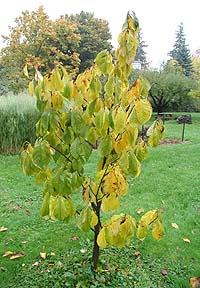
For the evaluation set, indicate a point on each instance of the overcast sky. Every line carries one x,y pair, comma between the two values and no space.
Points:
159,19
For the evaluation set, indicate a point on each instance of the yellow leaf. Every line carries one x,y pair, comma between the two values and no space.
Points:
142,231
119,119
94,219
110,203
8,253
174,225
25,71
143,111
101,240
186,240
43,255
158,230
31,88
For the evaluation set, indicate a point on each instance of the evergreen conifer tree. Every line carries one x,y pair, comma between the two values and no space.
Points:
141,53
181,52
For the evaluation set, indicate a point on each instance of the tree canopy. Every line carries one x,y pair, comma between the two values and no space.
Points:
41,43
181,52
95,36
170,89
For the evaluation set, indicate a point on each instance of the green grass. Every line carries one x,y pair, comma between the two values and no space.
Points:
169,181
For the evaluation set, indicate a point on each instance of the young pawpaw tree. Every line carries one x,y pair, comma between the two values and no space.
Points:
99,106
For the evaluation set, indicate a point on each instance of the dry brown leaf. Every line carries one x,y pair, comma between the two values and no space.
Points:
8,253
137,253
195,282
139,211
16,255
164,272
11,239
75,238
35,263
43,255
3,229
27,212
186,240
174,225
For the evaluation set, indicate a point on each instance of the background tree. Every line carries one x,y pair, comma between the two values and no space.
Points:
170,89
196,64
181,52
40,42
95,36
140,52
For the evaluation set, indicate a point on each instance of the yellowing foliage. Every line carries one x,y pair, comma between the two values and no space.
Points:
102,109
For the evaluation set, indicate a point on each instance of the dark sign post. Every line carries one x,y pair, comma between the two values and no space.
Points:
184,119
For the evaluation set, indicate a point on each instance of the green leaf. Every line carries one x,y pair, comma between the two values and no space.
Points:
104,62
60,211
105,147
86,150
134,165
85,219
101,239
77,122
41,154
44,211
75,148
142,231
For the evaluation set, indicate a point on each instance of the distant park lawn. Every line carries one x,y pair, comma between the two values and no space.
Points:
54,254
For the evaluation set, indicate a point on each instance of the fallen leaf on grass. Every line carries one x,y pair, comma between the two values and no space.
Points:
195,282
75,238
52,254
3,229
193,232
16,255
3,269
35,263
24,242
27,212
8,253
198,209
141,210
186,240
137,253
43,255
164,272
83,251
174,225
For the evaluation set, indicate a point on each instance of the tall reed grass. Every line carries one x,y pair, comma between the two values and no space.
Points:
18,116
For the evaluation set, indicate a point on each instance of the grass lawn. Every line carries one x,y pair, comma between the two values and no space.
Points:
169,181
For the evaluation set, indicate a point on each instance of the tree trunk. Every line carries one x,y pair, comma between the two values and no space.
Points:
97,228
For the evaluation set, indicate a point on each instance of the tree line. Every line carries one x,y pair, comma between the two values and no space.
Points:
75,40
